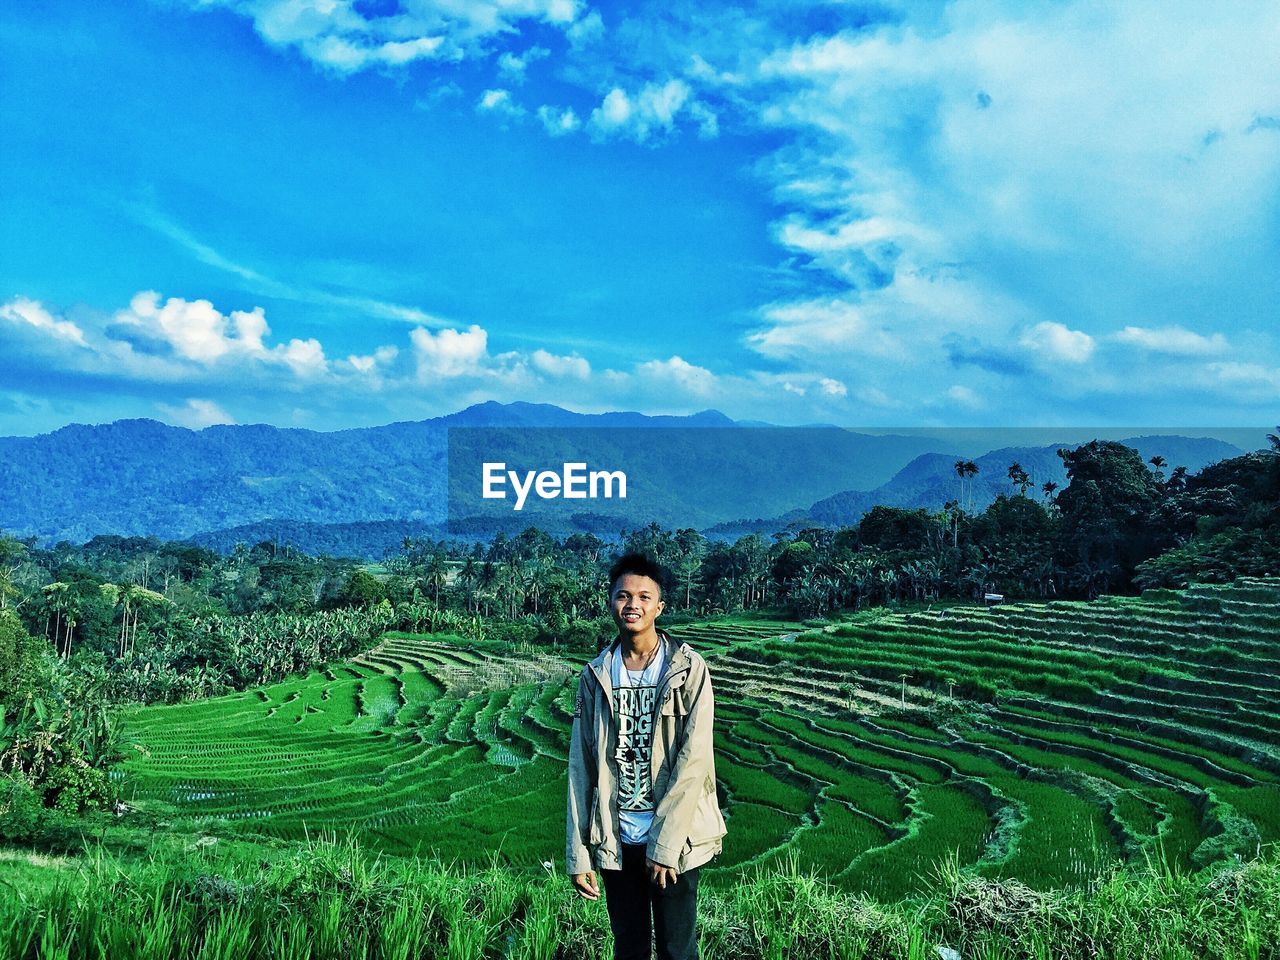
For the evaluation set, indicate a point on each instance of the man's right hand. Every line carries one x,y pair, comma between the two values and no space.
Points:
585,884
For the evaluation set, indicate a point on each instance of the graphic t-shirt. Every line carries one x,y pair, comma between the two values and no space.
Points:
634,695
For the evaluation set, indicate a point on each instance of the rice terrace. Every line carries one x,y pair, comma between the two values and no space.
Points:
1037,741
1045,727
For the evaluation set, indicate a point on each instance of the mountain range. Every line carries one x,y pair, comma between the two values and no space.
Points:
360,491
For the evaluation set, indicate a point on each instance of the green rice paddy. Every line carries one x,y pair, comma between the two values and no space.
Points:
1036,741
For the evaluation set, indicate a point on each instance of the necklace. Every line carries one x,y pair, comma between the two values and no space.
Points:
648,660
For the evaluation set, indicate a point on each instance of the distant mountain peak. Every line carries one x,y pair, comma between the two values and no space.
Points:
492,413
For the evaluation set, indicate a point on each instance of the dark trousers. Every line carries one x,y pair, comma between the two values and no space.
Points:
629,895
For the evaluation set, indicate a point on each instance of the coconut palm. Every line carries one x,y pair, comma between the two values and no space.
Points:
436,573
689,564
134,599
1020,478
56,597
966,470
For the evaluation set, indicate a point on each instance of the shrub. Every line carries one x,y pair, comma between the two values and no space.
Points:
24,819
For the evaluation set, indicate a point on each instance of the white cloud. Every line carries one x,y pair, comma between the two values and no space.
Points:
305,357
166,341
652,110
230,354
560,366
1175,340
1259,382
337,35
500,103
1055,341
614,111
708,121
1029,177
562,11
832,388
449,353
558,122
586,30
513,66
372,362
195,413
348,56
33,314
678,372
821,327
197,331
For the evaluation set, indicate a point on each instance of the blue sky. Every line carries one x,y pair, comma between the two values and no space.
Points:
335,213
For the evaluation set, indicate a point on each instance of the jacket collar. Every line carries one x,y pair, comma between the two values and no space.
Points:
677,650
678,661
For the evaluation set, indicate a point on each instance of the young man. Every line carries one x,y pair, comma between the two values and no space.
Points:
642,779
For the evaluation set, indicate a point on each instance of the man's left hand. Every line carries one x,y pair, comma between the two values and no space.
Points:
661,875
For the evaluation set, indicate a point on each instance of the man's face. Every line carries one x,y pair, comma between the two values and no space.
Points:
635,603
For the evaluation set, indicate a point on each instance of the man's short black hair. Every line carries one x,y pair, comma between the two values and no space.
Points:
642,564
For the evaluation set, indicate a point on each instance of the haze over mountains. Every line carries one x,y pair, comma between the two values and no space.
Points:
361,491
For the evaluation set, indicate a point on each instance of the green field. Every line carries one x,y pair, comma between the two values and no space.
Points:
1079,734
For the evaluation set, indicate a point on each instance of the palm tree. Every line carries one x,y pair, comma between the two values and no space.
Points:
72,612
689,564
536,572
133,598
510,584
468,578
55,604
1019,478
1159,463
951,514
754,553
903,678
966,470
111,593
437,572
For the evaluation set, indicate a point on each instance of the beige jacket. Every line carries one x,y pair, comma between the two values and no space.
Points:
687,824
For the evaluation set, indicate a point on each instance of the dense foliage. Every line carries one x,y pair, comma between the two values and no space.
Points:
58,738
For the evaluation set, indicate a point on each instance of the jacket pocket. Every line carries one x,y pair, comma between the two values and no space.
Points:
674,701
673,704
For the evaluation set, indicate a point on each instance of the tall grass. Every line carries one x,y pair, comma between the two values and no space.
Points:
324,899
